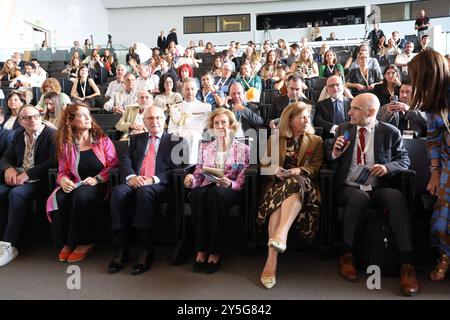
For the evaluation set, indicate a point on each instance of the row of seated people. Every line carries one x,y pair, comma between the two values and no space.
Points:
85,155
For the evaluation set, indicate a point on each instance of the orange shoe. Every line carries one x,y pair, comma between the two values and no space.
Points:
63,255
79,256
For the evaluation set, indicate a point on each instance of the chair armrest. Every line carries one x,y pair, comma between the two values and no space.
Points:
52,175
114,177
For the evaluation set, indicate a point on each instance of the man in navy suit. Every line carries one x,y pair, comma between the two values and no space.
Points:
379,146
333,111
294,88
24,168
144,168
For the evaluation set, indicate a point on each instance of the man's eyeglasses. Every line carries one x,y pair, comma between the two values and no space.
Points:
28,118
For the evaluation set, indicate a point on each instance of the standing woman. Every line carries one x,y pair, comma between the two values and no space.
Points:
84,88
292,192
85,156
430,77
210,201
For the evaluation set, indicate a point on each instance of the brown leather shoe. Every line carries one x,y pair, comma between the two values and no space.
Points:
408,280
346,267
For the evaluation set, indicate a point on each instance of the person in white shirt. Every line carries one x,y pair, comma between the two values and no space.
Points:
146,80
27,81
41,73
123,98
118,84
188,119
402,60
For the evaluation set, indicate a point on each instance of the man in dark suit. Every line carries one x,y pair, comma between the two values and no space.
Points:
172,36
378,146
246,113
144,168
333,111
294,88
24,168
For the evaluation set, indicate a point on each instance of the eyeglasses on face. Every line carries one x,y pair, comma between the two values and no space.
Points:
154,118
28,118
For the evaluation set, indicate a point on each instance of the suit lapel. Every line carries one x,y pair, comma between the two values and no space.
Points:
331,109
346,108
305,143
378,140
348,154
141,145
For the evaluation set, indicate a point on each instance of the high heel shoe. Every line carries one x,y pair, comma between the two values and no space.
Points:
268,282
440,271
79,256
63,255
277,245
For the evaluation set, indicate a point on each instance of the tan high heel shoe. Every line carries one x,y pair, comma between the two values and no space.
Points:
440,271
268,282
277,245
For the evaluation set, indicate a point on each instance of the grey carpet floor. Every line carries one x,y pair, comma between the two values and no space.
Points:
36,274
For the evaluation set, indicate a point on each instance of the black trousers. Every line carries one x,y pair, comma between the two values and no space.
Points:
209,206
72,223
145,199
15,204
355,203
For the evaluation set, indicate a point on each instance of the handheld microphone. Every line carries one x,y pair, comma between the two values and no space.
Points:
346,138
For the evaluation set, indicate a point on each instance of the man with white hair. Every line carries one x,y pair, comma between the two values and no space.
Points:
224,82
118,84
132,120
188,119
123,98
378,146
146,80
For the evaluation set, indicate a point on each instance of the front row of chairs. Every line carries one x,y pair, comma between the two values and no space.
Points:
176,213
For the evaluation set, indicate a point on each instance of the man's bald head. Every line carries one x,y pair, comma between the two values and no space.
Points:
364,109
154,119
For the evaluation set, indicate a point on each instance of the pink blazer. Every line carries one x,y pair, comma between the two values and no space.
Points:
236,162
68,166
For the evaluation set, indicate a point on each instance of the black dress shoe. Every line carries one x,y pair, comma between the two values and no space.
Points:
179,253
212,267
143,263
199,266
118,261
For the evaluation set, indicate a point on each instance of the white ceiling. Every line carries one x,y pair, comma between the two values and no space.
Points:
114,4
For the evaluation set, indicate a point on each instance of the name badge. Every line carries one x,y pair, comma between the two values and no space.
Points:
365,188
408,134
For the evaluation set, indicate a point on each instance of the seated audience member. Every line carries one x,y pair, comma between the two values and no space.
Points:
353,63
188,59
41,73
9,71
292,192
363,78
305,65
5,135
132,55
127,96
294,54
332,37
216,69
209,48
53,107
320,57
17,58
71,69
144,170
76,48
332,111
282,50
392,49
399,42
402,60
146,80
185,71
26,81
209,93
330,65
85,89
294,89
85,156
51,85
269,71
211,201
14,102
188,119
165,69
226,79
109,62
167,98
401,115
385,160
117,84
246,113
132,120
424,43
388,89
25,167
250,82
380,48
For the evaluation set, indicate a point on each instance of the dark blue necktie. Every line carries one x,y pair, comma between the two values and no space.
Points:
339,116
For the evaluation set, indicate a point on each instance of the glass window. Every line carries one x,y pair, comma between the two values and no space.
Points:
211,24
393,12
433,8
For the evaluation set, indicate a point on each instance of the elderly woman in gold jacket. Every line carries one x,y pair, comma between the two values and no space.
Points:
292,193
